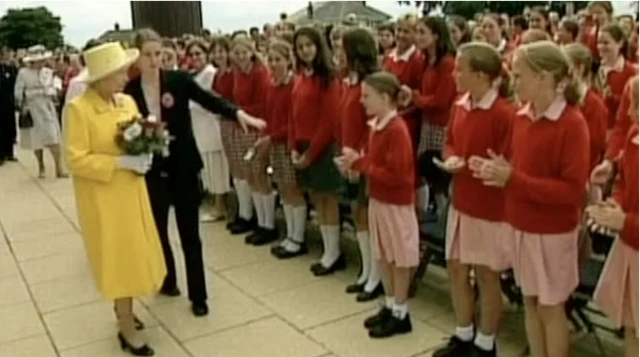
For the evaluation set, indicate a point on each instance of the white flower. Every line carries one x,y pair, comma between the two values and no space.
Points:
152,119
132,132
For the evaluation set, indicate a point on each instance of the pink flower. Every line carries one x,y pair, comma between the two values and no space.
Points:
167,100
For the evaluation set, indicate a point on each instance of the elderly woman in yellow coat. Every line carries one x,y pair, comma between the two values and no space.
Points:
115,215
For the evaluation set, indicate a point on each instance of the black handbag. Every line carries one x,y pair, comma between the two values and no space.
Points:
25,121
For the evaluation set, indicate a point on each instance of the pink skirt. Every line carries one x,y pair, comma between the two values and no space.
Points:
546,265
475,241
395,233
617,291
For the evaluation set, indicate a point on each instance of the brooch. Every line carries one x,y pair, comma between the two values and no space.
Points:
167,100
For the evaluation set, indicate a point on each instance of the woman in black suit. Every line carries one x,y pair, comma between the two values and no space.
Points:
173,180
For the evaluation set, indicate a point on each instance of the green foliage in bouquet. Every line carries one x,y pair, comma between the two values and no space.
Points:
142,136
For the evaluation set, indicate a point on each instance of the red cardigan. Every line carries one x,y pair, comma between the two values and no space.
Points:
437,92
249,90
596,113
314,114
550,167
223,84
389,164
626,193
621,129
617,81
472,131
353,118
278,113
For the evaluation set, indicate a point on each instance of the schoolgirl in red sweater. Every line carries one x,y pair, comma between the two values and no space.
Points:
476,233
406,62
388,165
359,47
316,96
223,85
544,193
600,15
617,291
251,82
591,103
436,95
615,71
274,143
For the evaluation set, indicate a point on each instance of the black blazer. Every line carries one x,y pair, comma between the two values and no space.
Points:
176,89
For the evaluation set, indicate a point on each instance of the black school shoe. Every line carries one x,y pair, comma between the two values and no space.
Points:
390,327
479,352
242,226
455,348
281,253
378,318
319,270
249,238
355,288
366,296
265,236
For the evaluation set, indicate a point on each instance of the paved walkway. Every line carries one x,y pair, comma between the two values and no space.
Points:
259,306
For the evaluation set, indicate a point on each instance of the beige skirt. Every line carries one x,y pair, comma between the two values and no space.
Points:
215,174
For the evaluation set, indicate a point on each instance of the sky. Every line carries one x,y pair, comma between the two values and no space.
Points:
83,20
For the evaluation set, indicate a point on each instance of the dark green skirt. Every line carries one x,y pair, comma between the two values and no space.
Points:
358,191
321,176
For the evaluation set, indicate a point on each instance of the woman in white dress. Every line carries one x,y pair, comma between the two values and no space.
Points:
215,175
35,94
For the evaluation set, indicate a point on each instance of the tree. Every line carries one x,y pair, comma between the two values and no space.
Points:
21,28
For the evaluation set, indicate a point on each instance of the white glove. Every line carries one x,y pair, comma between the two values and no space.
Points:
139,164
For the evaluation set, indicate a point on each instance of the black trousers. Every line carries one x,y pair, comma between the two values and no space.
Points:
183,194
7,133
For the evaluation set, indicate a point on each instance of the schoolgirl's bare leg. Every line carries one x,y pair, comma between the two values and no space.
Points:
535,328
461,295
490,306
40,159
630,342
556,329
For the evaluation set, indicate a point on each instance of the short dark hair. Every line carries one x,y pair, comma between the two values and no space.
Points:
571,26
520,21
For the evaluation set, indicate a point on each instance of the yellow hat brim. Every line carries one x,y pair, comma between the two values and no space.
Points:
132,55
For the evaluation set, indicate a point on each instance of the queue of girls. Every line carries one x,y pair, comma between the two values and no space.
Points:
522,136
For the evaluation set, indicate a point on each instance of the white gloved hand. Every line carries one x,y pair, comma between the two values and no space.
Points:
139,163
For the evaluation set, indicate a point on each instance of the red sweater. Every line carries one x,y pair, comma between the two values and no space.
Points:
389,164
617,81
353,118
278,111
408,67
550,161
596,113
249,90
626,193
314,113
223,84
472,132
590,39
437,92
621,129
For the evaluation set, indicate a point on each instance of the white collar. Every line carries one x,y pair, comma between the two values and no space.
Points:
617,67
378,124
553,113
484,103
405,57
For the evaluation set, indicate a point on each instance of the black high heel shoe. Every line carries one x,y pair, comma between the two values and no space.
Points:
144,350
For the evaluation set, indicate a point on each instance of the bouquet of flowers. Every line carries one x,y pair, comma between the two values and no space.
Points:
143,136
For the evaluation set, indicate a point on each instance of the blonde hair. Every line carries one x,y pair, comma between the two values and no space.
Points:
384,83
484,58
409,19
535,35
547,57
282,48
580,55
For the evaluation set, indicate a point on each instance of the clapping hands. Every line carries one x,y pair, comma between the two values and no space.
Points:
346,160
494,171
606,217
453,164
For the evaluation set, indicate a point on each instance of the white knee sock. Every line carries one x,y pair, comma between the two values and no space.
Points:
257,202
299,223
389,302
485,342
245,205
365,256
332,245
374,271
465,333
269,208
288,219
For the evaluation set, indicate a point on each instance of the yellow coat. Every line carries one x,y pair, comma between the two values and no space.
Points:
115,215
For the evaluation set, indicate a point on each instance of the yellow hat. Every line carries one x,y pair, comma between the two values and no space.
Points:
106,59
